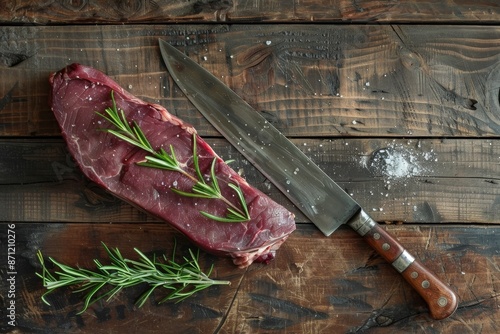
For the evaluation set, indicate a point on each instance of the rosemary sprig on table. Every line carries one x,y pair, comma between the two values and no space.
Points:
133,134
183,280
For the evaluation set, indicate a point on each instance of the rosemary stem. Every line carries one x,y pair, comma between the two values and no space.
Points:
182,280
209,281
132,134
189,176
234,207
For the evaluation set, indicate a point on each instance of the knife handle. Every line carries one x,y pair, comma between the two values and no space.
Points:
441,300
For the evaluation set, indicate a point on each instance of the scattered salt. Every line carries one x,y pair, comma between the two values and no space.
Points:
399,162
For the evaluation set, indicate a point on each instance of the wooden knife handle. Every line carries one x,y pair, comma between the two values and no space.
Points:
441,300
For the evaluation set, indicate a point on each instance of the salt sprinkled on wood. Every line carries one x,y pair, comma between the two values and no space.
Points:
398,162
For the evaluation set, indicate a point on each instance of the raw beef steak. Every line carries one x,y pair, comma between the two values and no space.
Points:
79,91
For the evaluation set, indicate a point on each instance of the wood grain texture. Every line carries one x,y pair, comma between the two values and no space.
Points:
339,284
405,117
140,11
395,180
309,80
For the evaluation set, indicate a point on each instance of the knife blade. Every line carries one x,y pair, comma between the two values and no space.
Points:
326,204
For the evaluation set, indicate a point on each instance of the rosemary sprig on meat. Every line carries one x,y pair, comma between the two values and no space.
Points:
133,134
181,279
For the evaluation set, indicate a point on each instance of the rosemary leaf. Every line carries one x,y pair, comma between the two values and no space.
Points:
88,298
140,136
229,219
196,164
189,194
239,192
215,183
160,159
161,163
181,279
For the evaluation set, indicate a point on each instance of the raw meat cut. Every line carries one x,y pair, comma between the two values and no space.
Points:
77,92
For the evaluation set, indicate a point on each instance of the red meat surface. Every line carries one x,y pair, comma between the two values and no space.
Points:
77,92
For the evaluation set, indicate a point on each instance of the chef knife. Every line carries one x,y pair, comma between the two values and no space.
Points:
326,204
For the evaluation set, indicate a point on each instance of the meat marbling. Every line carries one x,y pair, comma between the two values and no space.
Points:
78,91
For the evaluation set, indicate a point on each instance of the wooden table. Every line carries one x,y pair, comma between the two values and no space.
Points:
398,101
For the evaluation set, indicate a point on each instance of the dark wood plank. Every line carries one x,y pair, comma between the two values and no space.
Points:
404,117
316,284
396,180
99,11
309,80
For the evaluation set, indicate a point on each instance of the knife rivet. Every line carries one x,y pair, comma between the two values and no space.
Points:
376,236
442,301
426,284
386,246
414,274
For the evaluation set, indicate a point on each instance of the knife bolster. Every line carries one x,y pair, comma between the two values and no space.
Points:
362,223
383,243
